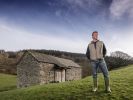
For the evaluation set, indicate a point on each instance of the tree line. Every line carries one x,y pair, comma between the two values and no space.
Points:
116,59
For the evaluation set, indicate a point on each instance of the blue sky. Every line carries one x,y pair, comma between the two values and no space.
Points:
66,25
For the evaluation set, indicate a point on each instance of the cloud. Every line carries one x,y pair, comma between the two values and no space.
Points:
83,6
15,38
84,3
122,42
121,8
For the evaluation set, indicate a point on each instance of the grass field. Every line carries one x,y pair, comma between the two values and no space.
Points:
7,82
121,85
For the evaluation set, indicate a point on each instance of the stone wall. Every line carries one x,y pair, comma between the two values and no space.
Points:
74,73
46,73
27,71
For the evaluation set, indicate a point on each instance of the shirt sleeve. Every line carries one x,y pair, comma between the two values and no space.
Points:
104,50
88,53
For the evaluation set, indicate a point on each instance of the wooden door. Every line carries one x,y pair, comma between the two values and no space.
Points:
63,75
58,76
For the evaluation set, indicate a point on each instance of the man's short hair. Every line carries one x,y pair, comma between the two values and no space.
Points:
94,32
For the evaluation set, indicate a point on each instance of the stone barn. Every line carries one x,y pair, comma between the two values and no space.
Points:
38,68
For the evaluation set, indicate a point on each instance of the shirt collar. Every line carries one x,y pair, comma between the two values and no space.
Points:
94,42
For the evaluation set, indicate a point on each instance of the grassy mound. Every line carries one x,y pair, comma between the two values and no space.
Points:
121,85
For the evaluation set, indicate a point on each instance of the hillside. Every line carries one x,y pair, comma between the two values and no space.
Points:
8,60
121,85
7,82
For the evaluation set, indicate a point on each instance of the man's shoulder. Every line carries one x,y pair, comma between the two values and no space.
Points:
90,43
100,41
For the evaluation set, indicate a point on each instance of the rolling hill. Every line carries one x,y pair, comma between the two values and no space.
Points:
121,85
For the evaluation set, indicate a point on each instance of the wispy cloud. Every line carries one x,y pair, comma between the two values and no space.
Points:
84,3
15,38
87,6
119,40
121,8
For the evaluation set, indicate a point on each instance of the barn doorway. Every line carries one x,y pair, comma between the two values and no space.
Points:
60,75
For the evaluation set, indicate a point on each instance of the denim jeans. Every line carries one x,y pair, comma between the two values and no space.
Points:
101,64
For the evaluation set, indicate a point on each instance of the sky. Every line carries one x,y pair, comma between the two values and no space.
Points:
66,25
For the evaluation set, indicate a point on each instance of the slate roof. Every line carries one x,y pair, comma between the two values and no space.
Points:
61,62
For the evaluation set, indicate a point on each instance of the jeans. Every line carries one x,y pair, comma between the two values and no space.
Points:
103,67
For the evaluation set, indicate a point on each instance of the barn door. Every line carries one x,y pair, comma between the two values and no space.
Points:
58,76
63,75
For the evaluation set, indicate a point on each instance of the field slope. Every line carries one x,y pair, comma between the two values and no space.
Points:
7,82
121,85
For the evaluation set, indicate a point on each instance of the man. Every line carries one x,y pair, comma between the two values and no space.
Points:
96,52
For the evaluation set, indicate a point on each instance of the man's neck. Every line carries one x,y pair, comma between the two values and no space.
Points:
94,40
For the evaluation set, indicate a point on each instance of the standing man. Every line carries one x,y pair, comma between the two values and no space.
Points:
96,52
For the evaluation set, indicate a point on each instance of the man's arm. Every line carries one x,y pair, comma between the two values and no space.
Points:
104,50
88,53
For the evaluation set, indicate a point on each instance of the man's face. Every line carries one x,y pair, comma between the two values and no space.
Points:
95,36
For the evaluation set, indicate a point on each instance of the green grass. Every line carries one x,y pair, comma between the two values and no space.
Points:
7,82
121,85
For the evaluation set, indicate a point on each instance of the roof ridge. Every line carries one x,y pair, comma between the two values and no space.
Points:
48,55
62,62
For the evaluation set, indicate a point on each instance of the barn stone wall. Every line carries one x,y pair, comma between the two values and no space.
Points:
46,73
27,71
74,73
